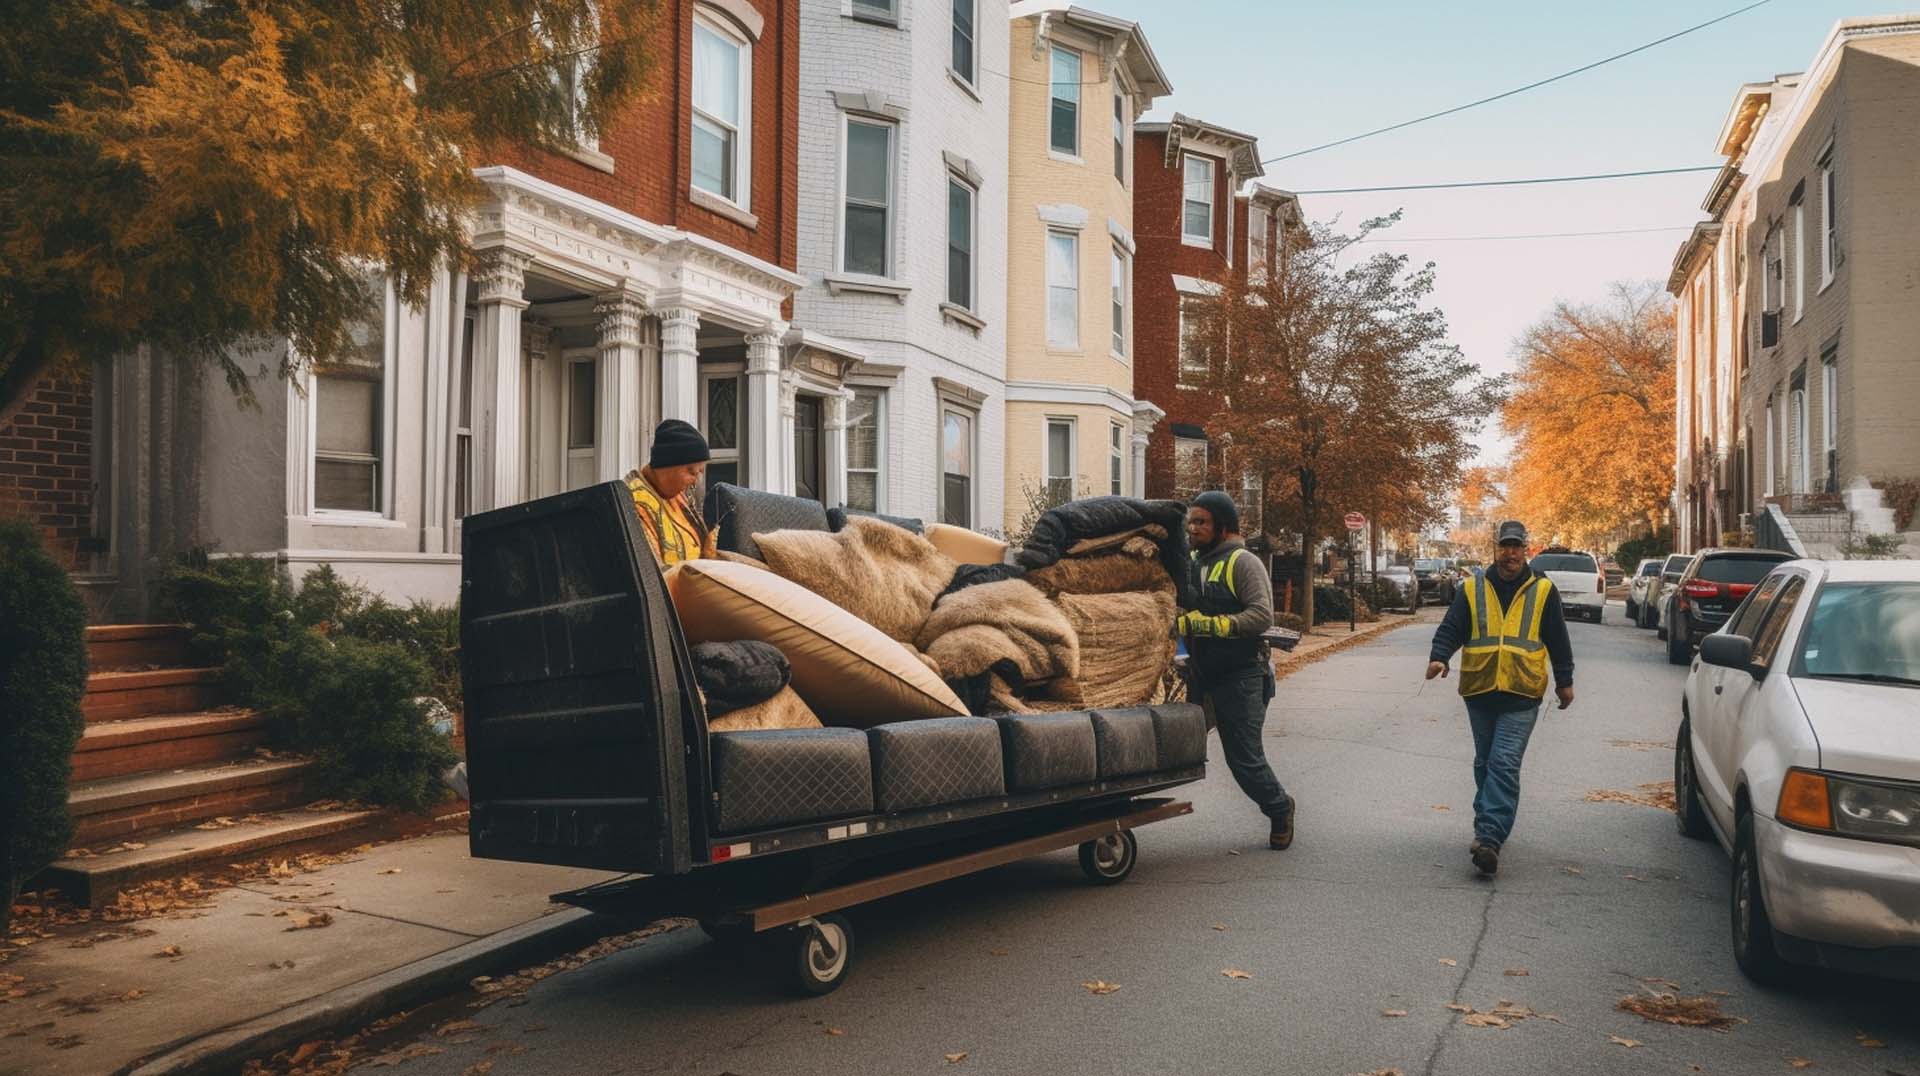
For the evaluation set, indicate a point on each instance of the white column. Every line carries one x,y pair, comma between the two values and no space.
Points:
1139,484
679,364
769,425
834,436
542,440
497,391
617,426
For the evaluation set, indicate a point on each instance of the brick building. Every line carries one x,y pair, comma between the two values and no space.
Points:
47,467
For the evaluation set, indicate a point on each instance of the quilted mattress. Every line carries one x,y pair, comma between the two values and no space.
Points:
776,777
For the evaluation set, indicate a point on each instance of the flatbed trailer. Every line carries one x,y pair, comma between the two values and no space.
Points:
587,746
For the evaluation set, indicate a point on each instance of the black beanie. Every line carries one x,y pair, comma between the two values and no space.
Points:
1220,506
676,443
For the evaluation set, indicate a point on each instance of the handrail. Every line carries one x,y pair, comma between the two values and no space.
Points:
1773,530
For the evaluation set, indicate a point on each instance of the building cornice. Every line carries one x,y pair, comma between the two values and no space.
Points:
1241,150
1692,250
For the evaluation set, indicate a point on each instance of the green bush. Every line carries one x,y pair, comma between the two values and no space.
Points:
1330,603
43,675
337,669
1634,550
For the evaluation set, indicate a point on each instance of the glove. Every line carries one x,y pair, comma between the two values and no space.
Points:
1199,625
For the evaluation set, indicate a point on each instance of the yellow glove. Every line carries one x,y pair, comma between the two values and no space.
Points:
1199,625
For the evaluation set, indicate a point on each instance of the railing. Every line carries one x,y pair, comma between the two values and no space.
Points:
1773,530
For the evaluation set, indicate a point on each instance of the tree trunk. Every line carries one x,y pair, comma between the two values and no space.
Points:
1309,504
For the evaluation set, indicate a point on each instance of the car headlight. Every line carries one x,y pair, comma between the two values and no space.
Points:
1851,806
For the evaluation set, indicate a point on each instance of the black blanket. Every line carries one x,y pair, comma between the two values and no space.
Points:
1096,517
736,675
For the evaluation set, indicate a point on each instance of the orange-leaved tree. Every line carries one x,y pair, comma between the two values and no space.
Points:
195,175
1591,416
1338,388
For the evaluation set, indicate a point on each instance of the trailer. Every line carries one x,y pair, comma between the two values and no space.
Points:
587,746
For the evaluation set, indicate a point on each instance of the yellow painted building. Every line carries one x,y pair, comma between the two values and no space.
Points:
1079,81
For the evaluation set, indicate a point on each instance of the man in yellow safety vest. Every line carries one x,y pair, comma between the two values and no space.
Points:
1508,627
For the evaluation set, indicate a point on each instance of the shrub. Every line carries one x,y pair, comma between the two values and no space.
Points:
1634,550
1903,496
361,722
43,675
1330,603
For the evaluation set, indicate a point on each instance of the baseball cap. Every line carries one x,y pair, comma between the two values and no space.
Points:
1512,531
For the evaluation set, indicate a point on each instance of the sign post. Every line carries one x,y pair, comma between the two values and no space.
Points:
1355,524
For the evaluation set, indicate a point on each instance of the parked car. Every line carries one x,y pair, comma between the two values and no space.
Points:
1670,573
1707,592
1436,580
1405,588
1799,750
1612,570
1583,590
1644,578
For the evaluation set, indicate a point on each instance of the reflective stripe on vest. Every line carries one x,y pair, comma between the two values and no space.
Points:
1504,651
1222,572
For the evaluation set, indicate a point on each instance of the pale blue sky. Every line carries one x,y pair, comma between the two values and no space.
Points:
1298,74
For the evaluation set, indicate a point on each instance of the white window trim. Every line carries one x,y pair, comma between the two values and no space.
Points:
1116,458
1045,275
1802,427
389,348
1075,155
742,433
1769,475
972,305
1123,137
969,80
1828,212
847,119
1121,349
880,409
889,17
950,402
1830,405
571,357
1073,451
1188,238
1799,260
1181,371
743,157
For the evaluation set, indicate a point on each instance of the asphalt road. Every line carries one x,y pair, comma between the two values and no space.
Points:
1375,909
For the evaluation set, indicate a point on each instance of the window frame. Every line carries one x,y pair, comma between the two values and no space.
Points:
971,74
384,428
1206,460
1073,237
1799,260
957,182
1116,459
971,415
1120,302
737,455
1187,160
885,12
1187,373
742,172
1121,130
847,120
879,468
1830,412
1047,473
1829,219
1055,53
569,452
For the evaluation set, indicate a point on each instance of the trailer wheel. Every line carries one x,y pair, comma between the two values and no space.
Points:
1110,859
816,956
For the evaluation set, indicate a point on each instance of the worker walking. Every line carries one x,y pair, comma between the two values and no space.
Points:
1508,626
663,494
1230,664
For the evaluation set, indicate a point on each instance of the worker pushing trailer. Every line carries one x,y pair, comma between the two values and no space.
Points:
587,745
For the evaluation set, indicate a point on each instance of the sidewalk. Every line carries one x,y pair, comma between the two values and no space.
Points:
96,997
1329,639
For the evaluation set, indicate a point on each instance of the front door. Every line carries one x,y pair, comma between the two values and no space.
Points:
807,467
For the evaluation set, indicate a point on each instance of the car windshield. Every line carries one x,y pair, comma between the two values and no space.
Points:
1677,563
1737,569
1426,565
1564,562
1396,570
1864,631
1651,567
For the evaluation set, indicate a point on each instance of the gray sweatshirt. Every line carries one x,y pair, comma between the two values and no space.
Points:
1250,585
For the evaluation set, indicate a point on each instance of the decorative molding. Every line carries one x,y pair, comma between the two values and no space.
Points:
964,167
713,203
620,317
1070,395
869,102
962,315
840,283
958,393
1189,285
763,353
966,87
741,14
503,277
592,158
1063,215
535,339
1121,235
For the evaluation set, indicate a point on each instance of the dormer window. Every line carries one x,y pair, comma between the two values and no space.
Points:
1196,214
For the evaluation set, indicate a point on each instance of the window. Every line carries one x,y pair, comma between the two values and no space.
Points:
1799,259
1060,451
1774,627
868,205
1250,502
1858,631
569,78
963,16
1802,460
582,401
350,416
1189,467
1196,216
808,465
1119,302
864,438
463,425
1746,619
720,422
1063,124
1120,137
1830,414
1116,457
1770,280
1194,366
1767,486
875,9
1830,217
1256,241
722,106
959,244
1063,289
956,467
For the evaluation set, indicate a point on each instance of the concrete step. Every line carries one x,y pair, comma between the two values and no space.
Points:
136,646
117,808
116,696
94,881
166,741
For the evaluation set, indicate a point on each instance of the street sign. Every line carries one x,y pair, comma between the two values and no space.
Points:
1356,521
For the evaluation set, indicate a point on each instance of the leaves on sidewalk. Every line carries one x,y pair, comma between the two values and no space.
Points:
1799,1062
1516,972
1449,962
479,1068
1236,973
1100,986
1505,1014
1393,1012
1678,1011
1655,794
455,1027
955,1058
1618,1040
404,1054
517,984
171,951
1868,1041
306,919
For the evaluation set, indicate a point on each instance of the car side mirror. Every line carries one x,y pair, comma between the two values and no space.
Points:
1727,651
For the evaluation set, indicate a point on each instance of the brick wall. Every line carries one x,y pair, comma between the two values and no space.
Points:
46,464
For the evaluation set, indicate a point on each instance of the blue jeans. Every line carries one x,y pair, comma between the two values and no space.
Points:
1499,742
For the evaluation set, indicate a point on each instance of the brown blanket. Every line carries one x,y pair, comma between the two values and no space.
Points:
1125,646
883,574
785,710
1124,566
974,629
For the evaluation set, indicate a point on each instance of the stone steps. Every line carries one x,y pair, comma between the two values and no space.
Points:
166,741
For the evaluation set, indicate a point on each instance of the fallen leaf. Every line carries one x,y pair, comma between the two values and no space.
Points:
455,1027
1441,807
171,950
1231,852
1655,794
1486,1019
511,1049
1868,1041
835,1032
996,952
955,1059
64,1042
1573,870
308,919
1393,1012
1219,926
1236,973
1620,1041
405,1053
1100,986
1381,1072
1449,962
1676,1010
1516,972
389,870
479,1068
1459,1007
1799,1062
1635,878
306,1050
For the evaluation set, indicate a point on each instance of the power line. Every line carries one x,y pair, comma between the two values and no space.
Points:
1518,90
1531,235
1514,182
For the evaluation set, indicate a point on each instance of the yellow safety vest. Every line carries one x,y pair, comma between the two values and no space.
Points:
1504,651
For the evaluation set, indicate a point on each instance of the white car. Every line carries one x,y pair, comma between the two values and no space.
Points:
1640,587
1799,748
1583,589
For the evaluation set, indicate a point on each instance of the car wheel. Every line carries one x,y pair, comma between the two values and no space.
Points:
1689,814
1753,947
1678,652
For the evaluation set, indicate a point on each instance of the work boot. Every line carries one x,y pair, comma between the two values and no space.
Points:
1281,838
1486,856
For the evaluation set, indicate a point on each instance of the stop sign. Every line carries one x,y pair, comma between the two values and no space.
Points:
1356,521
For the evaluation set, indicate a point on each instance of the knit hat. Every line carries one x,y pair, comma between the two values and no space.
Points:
676,443
1226,517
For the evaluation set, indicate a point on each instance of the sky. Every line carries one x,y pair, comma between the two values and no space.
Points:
1298,74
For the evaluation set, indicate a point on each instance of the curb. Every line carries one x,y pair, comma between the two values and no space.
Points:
359,1003
1372,631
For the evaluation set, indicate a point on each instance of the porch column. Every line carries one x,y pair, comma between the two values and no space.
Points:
498,396
617,426
1140,442
679,364
834,481
544,474
765,424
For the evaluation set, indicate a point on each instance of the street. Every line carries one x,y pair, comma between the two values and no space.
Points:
1375,912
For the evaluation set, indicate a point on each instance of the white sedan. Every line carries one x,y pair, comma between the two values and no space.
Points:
1799,748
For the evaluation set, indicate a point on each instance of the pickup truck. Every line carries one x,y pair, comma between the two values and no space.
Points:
1577,576
587,745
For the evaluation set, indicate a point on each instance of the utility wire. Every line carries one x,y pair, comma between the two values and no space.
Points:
1531,235
1517,90
1514,182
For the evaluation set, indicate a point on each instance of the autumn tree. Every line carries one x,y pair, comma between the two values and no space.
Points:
1482,503
1338,387
1591,416
195,174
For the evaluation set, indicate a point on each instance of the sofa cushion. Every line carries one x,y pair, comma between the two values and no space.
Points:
945,760
1180,734
1046,751
837,519
738,513
965,546
1126,742
785,777
846,669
